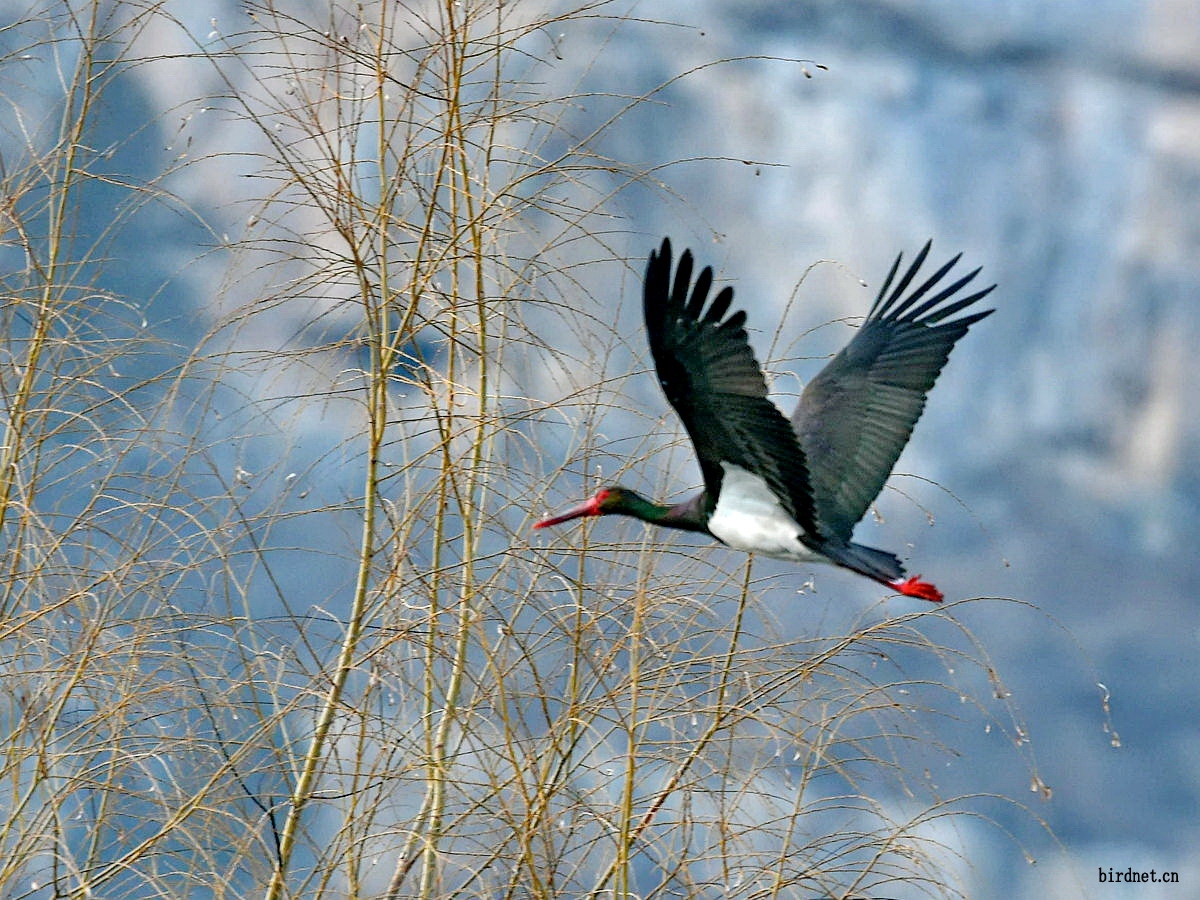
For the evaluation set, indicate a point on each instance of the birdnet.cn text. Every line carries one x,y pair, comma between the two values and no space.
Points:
1128,876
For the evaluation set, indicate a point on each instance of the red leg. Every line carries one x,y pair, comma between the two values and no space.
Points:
915,587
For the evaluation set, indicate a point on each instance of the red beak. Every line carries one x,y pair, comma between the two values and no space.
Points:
590,507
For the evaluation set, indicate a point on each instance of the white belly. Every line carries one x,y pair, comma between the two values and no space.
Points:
748,517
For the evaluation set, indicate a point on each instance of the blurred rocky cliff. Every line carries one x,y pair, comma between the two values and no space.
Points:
1058,146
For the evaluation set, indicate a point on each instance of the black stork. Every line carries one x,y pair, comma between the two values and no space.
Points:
793,490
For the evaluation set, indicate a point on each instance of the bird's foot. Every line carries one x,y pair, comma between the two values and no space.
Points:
915,587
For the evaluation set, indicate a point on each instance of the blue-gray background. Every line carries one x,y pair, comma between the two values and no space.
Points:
1058,145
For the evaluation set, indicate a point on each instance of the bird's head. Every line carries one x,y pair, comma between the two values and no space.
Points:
615,499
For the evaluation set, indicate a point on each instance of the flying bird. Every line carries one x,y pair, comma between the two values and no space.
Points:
793,489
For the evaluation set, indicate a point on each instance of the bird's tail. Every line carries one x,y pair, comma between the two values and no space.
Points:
881,566
877,564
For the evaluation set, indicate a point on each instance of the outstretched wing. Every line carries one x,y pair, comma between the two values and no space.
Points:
709,374
856,416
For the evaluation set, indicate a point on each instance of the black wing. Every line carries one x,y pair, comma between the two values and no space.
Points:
856,416
709,374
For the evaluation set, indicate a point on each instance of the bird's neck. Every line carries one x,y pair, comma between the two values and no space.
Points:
690,515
